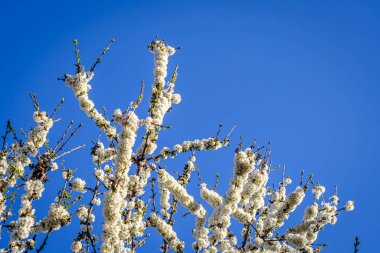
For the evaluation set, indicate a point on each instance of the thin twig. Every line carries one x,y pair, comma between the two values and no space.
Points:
102,54
57,107
71,136
68,152
63,135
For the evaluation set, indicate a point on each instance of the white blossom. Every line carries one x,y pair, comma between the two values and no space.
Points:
96,201
57,217
318,190
78,185
34,188
114,200
76,246
80,85
179,192
166,231
349,205
54,166
176,98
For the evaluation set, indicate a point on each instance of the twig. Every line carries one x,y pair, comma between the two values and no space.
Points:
77,56
35,102
71,136
57,107
44,242
102,54
232,129
63,135
356,244
68,152
152,181
216,181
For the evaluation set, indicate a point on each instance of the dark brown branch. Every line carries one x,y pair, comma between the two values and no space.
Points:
44,242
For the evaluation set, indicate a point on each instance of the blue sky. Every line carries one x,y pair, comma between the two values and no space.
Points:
301,74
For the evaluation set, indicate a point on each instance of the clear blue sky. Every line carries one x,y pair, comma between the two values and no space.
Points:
301,74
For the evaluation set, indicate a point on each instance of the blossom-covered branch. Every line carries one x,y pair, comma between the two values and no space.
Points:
124,164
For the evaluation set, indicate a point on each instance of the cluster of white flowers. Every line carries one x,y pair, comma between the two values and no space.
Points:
200,233
250,202
101,155
23,226
105,175
96,201
2,205
57,217
78,185
225,246
115,199
138,225
139,181
85,215
36,138
182,180
3,163
189,168
334,199
219,221
34,188
214,199
99,173
80,85
168,182
67,174
212,143
310,212
254,192
166,231
12,166
76,246
277,211
161,98
301,237
164,201
314,220
210,196
318,190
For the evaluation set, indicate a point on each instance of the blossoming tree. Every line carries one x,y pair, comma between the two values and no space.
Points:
126,174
